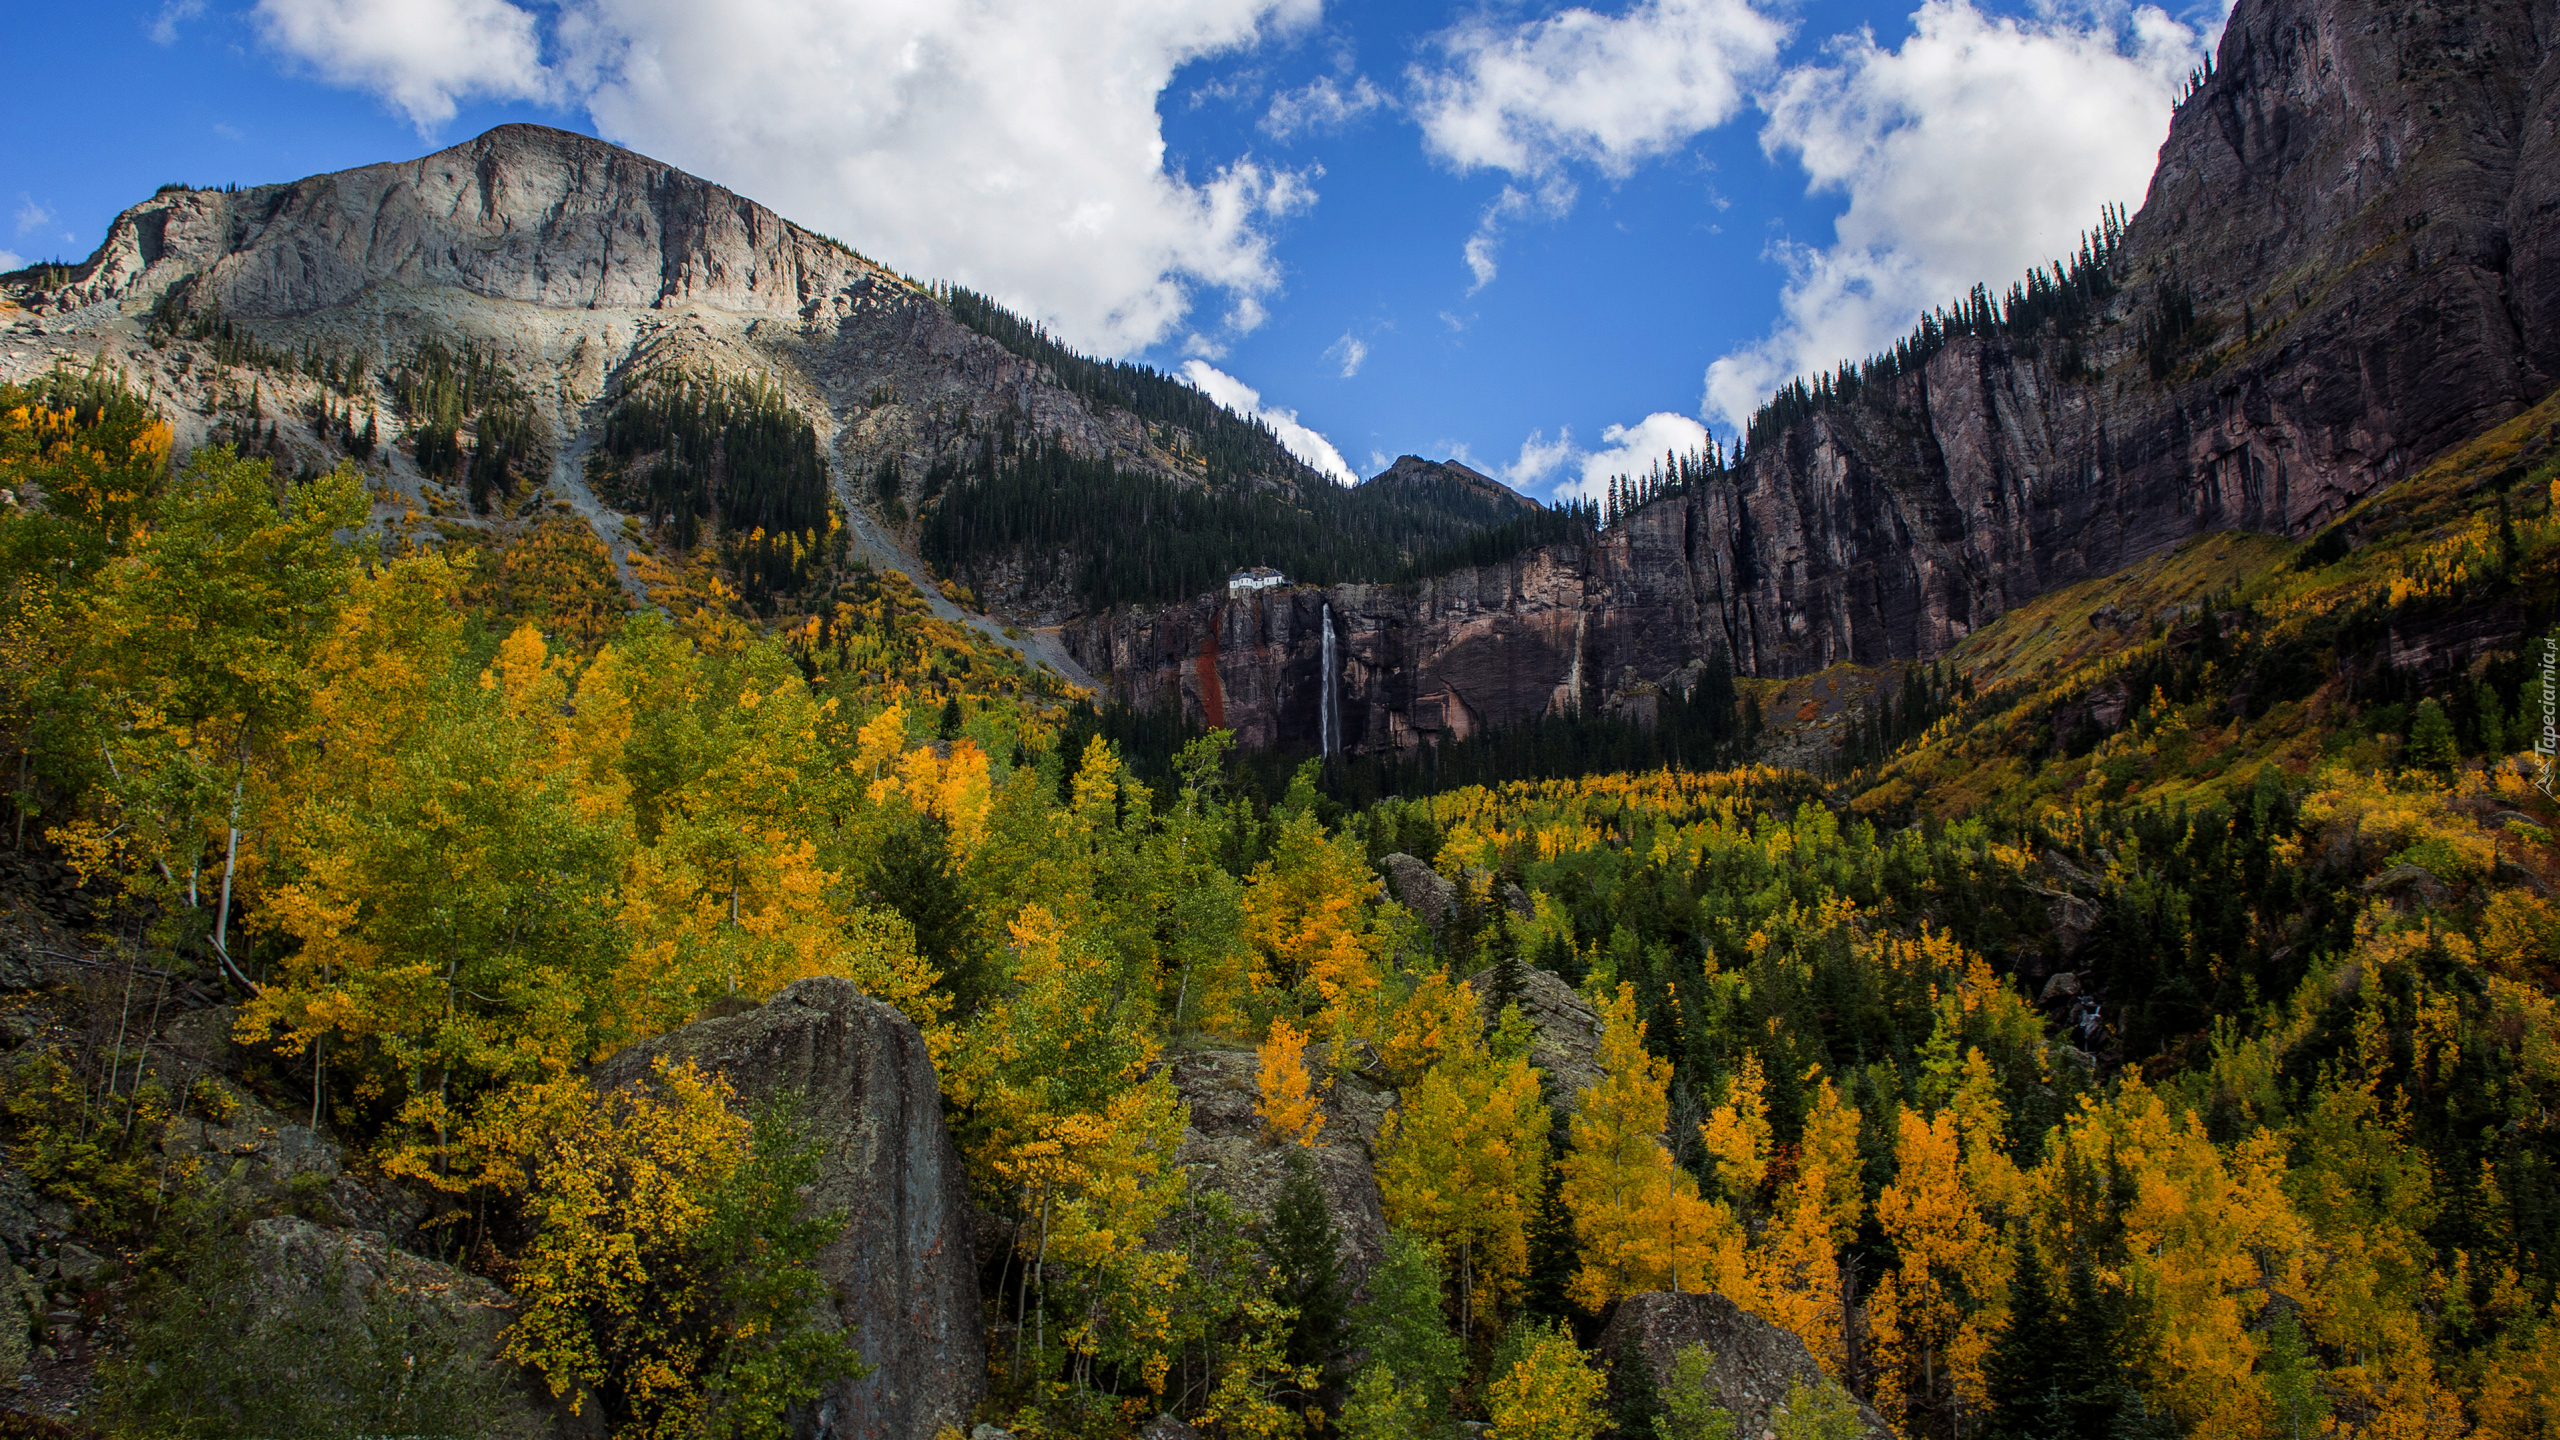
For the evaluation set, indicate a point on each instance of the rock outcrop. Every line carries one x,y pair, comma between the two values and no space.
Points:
2359,208
902,1270
303,1270
1565,1031
1755,1362
1224,1148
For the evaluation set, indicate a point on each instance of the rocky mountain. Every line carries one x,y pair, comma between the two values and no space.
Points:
2346,264
577,270
1449,483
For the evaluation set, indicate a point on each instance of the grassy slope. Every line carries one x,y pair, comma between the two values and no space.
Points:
2283,674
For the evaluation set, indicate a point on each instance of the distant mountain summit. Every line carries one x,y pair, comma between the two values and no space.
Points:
524,213
524,285
1412,472
1452,482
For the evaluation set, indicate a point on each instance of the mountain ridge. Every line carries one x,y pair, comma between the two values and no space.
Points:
2345,266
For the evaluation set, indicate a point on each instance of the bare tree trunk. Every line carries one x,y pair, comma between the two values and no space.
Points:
231,862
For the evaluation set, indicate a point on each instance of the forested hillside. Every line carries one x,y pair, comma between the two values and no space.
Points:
1117,534
2139,1027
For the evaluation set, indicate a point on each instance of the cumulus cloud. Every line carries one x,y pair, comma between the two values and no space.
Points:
423,57
1980,147
1633,449
1350,352
1010,145
1578,86
1322,104
1577,473
12,260
1611,91
1538,462
1306,444
33,214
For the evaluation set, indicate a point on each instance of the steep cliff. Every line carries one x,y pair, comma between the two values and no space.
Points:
2347,263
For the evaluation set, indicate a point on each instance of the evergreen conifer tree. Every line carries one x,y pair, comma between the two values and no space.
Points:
1306,1268
2021,1373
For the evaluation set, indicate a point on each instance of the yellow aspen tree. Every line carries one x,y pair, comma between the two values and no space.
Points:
1934,1316
1797,1267
1462,1161
1737,1134
1552,1392
1063,1120
1289,1113
1306,913
1982,1123
2211,1233
1251,1401
2520,1393
1637,1218
621,1186
1439,1014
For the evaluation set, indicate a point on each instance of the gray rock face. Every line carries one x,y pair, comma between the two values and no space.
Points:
296,1262
902,1271
1422,890
522,213
1567,1031
1224,1148
1755,1361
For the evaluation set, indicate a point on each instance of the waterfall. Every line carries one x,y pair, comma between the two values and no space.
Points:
1329,703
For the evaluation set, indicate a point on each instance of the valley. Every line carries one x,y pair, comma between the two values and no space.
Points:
628,823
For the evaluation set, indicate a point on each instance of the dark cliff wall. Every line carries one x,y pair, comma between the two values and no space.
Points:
2362,207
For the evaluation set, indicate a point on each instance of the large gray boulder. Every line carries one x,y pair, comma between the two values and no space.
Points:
1423,890
902,1271
1755,1361
340,1286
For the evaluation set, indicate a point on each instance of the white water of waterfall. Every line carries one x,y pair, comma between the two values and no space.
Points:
1329,705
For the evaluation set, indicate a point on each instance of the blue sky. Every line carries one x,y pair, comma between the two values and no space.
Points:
1549,239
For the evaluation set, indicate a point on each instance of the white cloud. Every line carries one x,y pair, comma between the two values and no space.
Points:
1580,474
1979,148
1013,146
1540,458
33,214
1610,91
1350,352
1010,145
1243,399
1324,103
1551,199
164,28
12,260
1378,462
424,57
1634,449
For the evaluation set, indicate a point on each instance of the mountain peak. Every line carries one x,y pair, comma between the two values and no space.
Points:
524,213
1414,471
